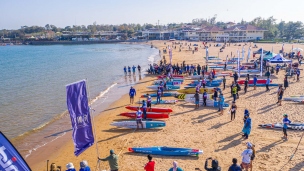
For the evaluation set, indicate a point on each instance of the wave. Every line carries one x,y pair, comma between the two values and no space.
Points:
101,94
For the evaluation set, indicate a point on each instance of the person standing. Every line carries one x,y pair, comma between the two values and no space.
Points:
246,156
233,109
144,108
205,98
255,81
133,69
234,92
298,74
280,95
203,71
199,69
221,103
277,69
267,84
196,98
235,166
132,93
224,82
248,77
150,165
235,77
247,126
286,122
138,68
139,119
149,101
125,70
246,85
204,82
159,93
285,82
129,70
113,160
215,94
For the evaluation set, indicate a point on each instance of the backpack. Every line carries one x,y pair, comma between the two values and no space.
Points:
238,87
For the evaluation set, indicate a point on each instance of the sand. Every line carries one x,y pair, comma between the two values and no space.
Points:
202,129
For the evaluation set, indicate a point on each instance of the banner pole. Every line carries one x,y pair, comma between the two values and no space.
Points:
94,129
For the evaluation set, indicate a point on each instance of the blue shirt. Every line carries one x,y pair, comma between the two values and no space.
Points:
144,105
222,101
286,121
133,68
248,123
87,168
132,92
125,69
255,80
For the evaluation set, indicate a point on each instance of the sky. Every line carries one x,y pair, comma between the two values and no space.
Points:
61,13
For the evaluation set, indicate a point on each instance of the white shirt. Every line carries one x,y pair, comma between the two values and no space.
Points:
246,155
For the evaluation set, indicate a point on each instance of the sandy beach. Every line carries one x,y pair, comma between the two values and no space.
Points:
202,129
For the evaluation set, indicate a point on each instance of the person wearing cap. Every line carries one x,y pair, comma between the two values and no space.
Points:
247,126
149,101
150,165
286,121
84,166
70,167
132,93
175,167
113,160
246,157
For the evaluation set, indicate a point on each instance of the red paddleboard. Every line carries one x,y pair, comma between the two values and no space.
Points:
251,81
150,115
153,109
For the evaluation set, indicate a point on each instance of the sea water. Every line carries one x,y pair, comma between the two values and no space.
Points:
33,79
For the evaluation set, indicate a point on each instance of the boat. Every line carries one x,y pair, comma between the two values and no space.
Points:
166,151
260,81
133,124
193,90
209,103
161,102
150,115
293,126
153,109
165,94
168,87
263,85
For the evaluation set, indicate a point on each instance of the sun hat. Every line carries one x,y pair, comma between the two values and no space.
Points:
70,166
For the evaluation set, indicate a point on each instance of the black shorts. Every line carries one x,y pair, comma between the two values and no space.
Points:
285,130
138,121
149,104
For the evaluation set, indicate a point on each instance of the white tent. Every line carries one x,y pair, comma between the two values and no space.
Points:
279,59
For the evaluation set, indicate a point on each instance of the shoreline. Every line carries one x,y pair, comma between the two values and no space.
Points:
186,127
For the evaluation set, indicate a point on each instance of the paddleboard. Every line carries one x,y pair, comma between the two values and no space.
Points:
193,90
133,124
150,115
259,81
187,96
263,85
209,103
168,87
165,94
153,109
161,102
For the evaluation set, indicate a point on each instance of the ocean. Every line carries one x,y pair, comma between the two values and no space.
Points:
33,78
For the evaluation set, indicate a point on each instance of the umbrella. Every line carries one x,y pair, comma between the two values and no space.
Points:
297,49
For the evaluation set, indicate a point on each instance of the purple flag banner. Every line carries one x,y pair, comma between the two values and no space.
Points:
78,106
10,159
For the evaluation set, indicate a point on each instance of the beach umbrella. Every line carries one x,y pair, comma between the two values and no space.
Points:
297,49
261,64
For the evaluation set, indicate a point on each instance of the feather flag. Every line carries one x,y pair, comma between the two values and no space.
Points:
283,48
261,63
170,55
249,50
238,62
243,53
207,54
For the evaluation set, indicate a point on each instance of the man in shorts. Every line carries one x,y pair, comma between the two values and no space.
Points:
286,121
246,157
196,98
149,101
139,118
255,80
132,93
221,103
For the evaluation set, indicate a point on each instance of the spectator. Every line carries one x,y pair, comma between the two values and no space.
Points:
70,167
235,166
53,167
112,158
247,126
246,157
175,167
150,165
84,166
132,93
214,165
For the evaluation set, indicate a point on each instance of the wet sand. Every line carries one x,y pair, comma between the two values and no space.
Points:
203,128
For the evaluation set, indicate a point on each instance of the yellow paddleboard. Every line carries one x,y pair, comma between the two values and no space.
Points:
193,90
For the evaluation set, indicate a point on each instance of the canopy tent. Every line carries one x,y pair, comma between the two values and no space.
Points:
279,59
260,51
268,55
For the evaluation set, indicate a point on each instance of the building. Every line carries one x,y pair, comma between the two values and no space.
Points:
238,33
